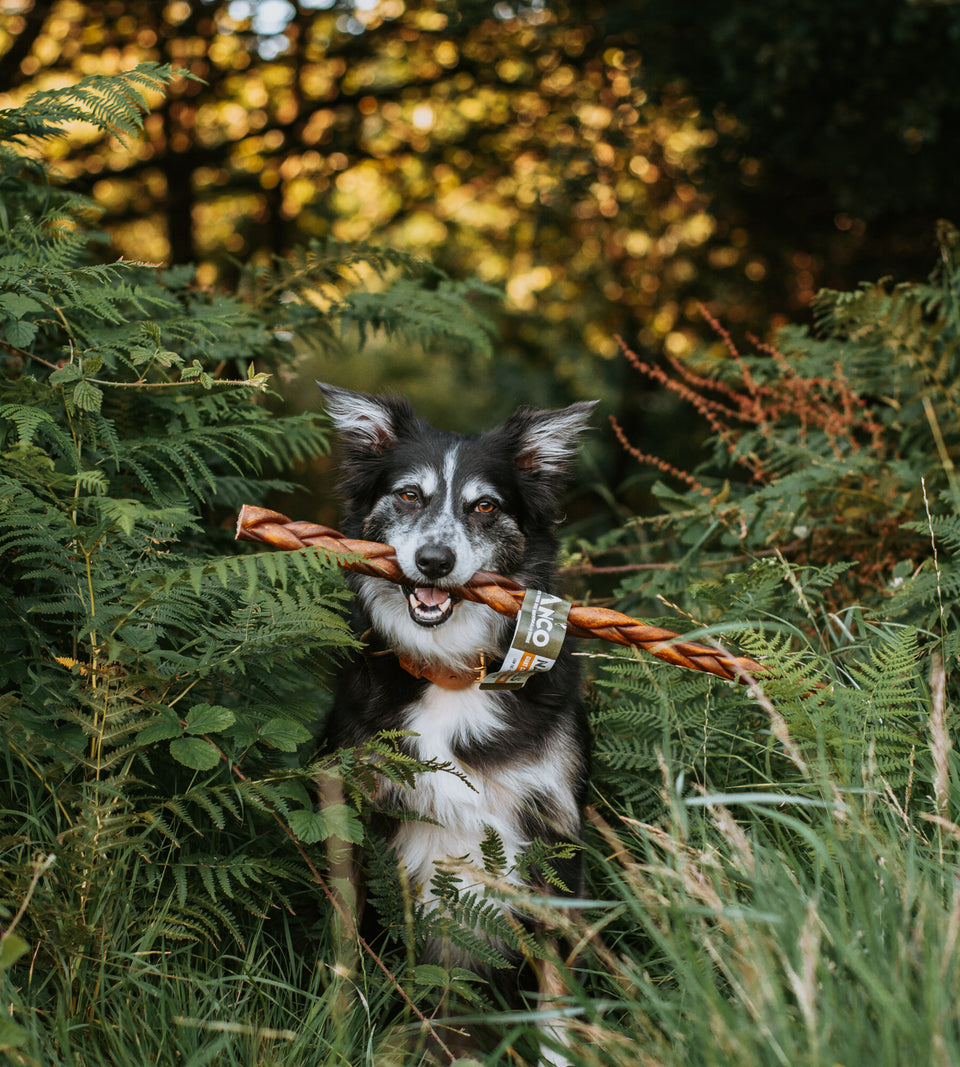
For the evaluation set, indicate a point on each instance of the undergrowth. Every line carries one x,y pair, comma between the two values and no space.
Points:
772,866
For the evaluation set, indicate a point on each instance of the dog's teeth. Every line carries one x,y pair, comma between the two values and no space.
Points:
429,605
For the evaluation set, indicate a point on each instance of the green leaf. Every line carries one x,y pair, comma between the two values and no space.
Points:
294,789
12,948
333,820
87,397
209,719
69,372
192,752
163,727
431,974
20,333
284,734
16,305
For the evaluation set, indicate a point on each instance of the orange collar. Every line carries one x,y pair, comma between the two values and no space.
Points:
442,676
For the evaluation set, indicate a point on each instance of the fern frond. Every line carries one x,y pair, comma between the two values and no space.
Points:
116,104
405,310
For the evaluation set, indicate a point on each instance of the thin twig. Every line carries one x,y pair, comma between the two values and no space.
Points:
40,867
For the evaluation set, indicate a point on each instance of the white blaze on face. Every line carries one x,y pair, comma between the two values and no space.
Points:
425,478
442,521
421,617
475,489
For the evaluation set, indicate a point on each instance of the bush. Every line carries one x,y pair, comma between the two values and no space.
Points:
819,532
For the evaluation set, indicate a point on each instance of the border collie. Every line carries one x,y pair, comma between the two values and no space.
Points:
451,505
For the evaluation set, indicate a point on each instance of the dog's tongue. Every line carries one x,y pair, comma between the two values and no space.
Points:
430,595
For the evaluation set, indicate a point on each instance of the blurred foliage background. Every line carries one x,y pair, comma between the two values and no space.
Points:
607,166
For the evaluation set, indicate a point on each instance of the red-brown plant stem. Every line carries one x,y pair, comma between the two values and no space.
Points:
656,461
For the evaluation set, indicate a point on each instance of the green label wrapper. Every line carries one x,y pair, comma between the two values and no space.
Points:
536,642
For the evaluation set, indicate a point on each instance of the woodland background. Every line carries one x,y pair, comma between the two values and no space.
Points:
732,223
607,166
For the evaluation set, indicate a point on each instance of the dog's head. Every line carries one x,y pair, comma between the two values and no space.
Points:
452,504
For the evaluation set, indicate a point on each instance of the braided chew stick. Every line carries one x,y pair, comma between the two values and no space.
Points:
502,594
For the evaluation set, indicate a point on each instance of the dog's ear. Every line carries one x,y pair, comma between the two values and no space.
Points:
547,440
366,423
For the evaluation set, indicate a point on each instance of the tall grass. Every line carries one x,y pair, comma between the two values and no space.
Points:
780,937
819,928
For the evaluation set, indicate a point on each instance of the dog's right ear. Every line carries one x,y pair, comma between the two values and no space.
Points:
366,423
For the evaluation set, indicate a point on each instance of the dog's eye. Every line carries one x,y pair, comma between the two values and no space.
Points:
485,507
408,496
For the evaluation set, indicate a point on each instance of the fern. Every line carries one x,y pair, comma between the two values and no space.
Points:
645,712
538,864
824,443
473,923
492,851
406,310
115,105
161,687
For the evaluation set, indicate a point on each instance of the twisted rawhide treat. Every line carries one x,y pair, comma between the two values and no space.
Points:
499,593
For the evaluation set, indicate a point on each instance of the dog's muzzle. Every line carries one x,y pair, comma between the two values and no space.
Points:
428,604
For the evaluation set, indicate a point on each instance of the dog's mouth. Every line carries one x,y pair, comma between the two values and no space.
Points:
428,605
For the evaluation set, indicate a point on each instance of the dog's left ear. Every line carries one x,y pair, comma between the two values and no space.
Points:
548,439
366,423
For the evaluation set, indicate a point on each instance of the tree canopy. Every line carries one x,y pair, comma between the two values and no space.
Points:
607,165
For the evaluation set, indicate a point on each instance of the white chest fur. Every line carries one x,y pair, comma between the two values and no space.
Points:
466,808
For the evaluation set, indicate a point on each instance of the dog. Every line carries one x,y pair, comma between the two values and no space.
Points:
450,505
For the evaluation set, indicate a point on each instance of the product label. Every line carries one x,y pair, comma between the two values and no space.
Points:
541,627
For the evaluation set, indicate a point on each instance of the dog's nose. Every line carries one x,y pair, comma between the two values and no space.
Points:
435,561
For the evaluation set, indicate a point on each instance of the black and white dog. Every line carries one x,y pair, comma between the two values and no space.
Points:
451,505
